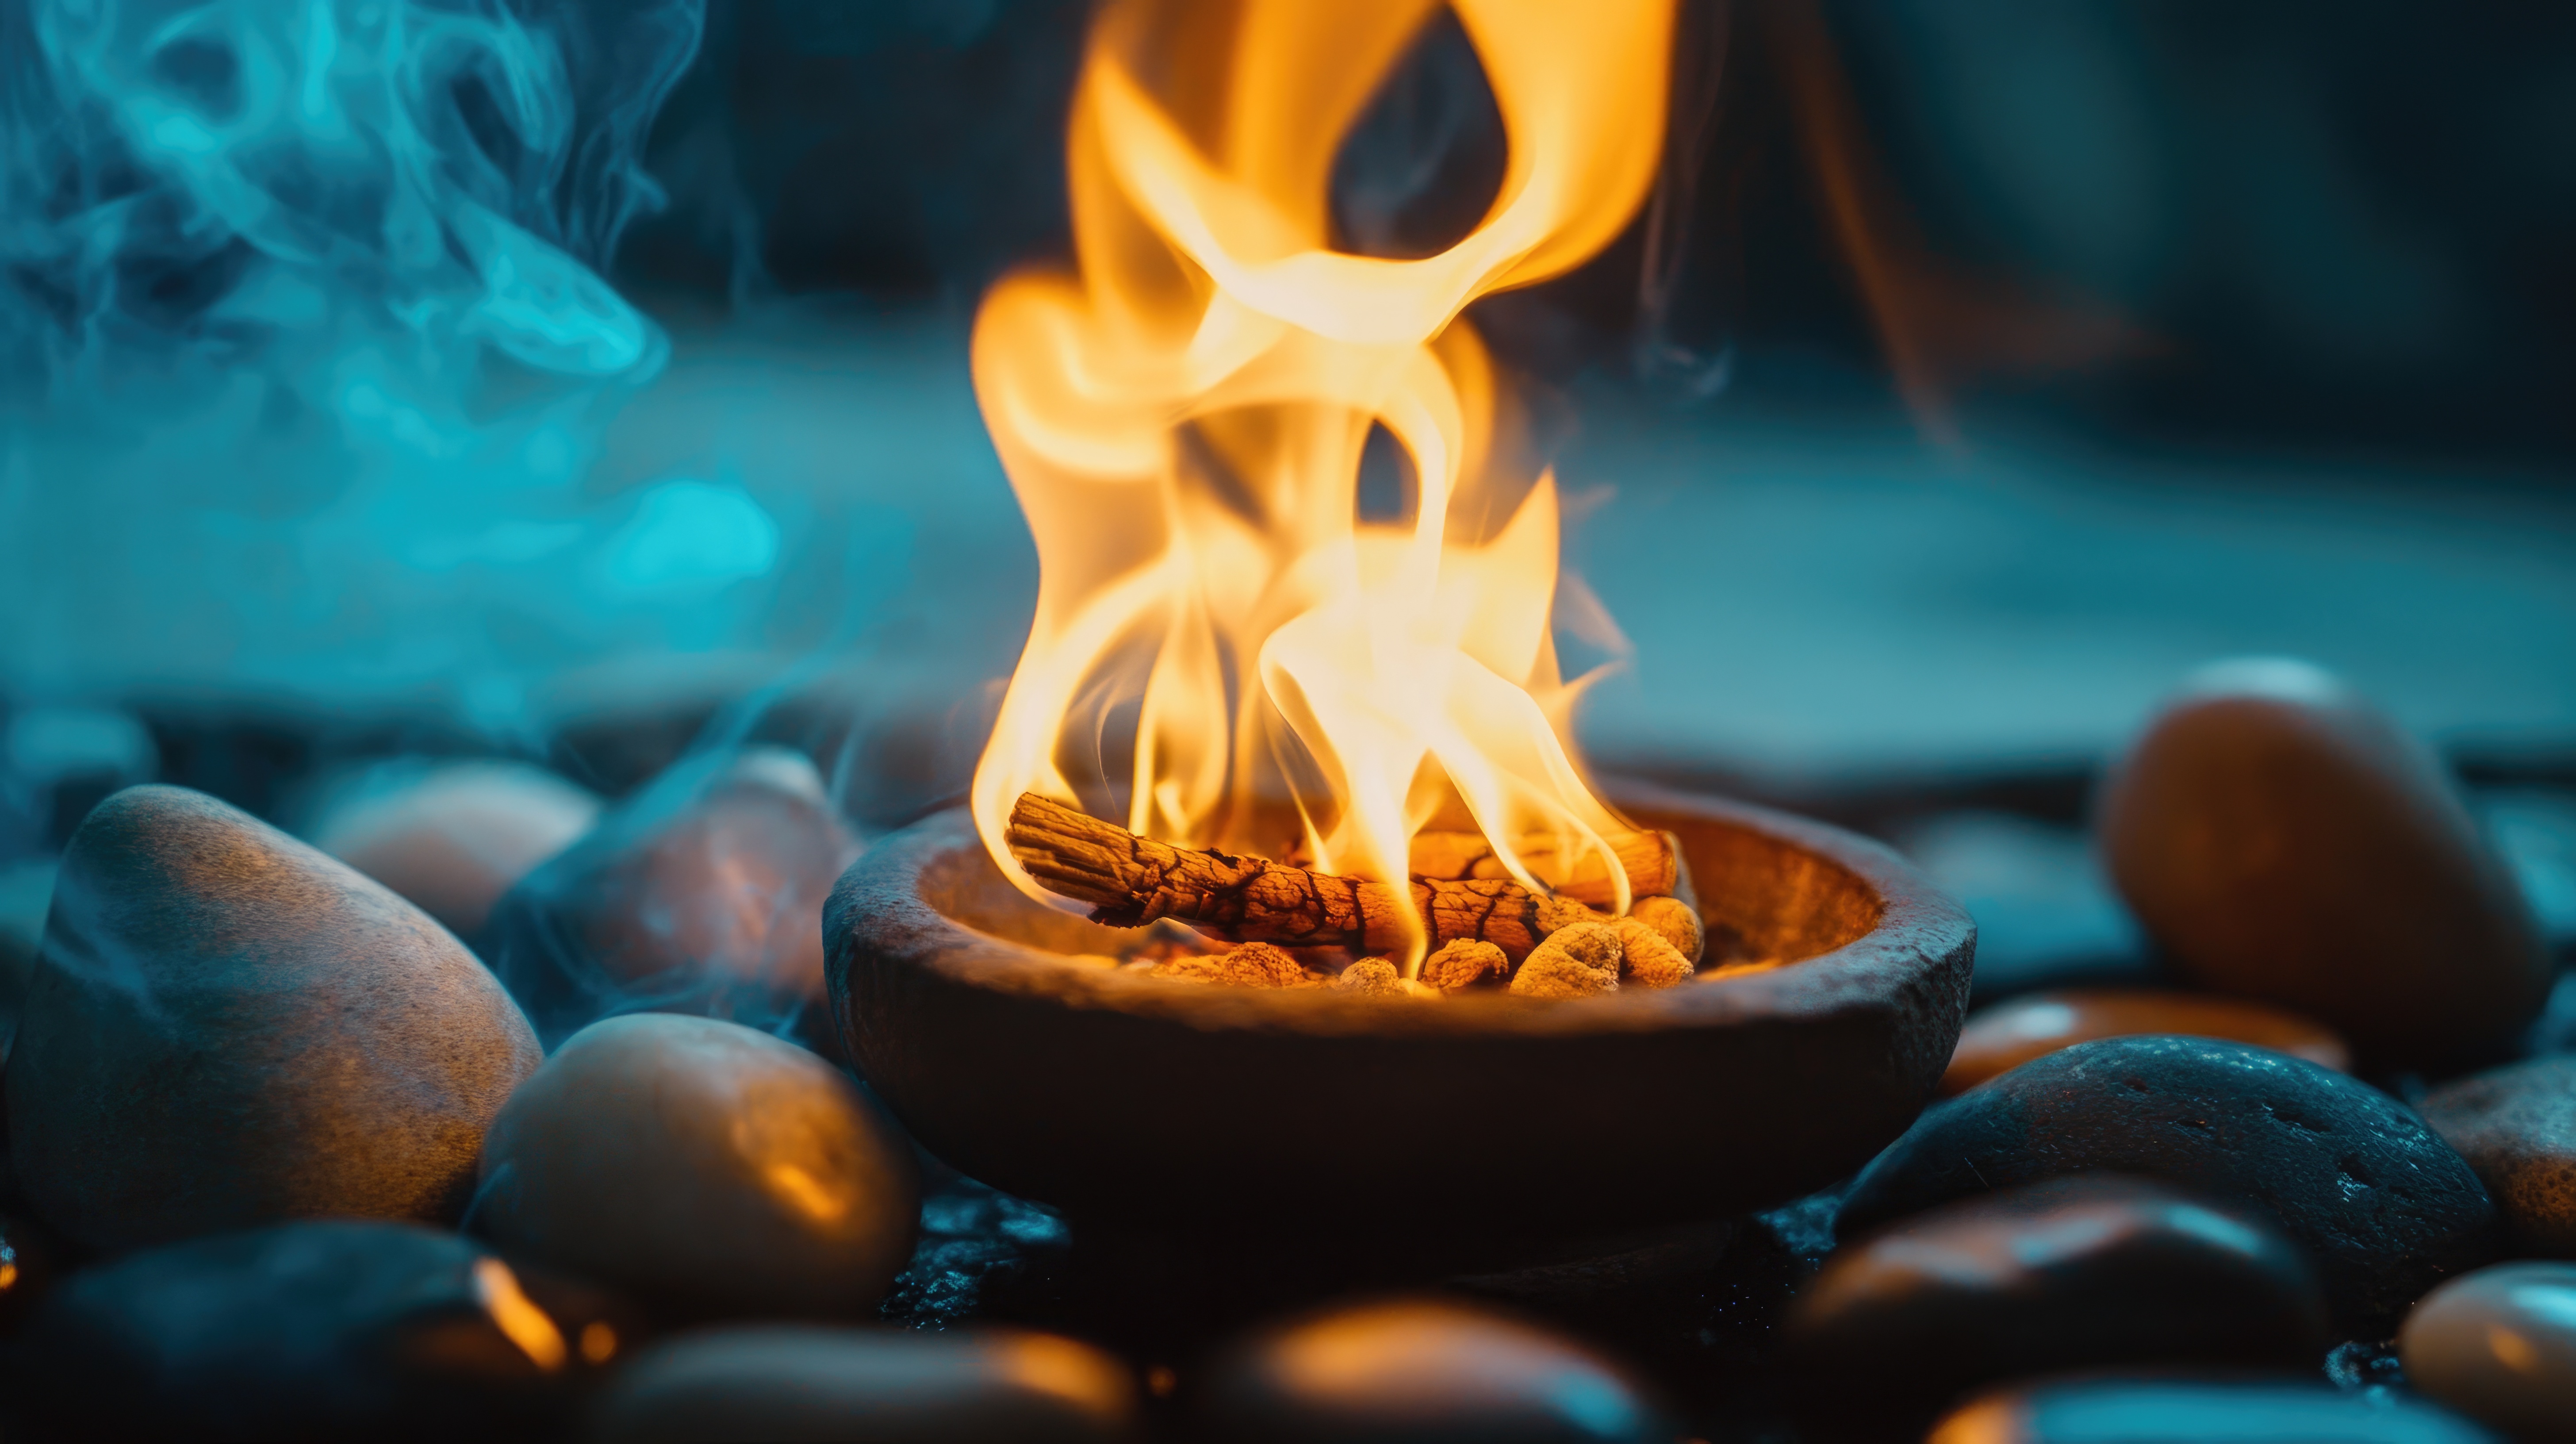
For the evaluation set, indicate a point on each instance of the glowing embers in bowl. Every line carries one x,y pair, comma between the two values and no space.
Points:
1112,1093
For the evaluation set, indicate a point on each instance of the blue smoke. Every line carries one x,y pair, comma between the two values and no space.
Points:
305,349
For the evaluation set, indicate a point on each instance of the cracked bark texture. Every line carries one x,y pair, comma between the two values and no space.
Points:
1131,881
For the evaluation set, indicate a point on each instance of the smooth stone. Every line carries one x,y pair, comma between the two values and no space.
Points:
2012,1033
1422,1371
812,1385
701,894
2283,840
2170,1411
705,1164
2384,1208
2046,915
2500,1346
227,1028
453,837
2516,1125
2073,1273
323,1330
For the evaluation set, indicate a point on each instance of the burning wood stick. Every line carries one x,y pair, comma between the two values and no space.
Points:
1130,881
1649,858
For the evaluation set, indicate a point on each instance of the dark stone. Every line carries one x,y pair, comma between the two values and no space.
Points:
327,1330
2069,1274
701,1163
700,894
1413,1371
2282,840
227,1028
2169,1411
868,1387
975,1242
2384,1207
2517,1127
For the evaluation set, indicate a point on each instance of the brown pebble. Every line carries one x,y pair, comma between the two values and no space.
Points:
2517,1127
2499,1345
1464,964
2012,1033
2283,840
1678,921
1370,975
1647,958
1574,962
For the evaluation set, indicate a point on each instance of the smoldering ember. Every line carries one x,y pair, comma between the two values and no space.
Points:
1285,720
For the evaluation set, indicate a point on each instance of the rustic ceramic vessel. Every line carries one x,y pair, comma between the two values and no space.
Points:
1124,1097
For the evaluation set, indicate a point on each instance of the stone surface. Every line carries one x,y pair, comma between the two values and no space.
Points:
704,1164
227,1028
2385,1208
813,1385
2069,1274
2500,1346
324,1330
453,837
1422,1372
2046,915
2284,841
2013,1032
701,894
2516,1126
2169,1411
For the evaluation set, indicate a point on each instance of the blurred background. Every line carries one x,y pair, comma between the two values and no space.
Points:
582,380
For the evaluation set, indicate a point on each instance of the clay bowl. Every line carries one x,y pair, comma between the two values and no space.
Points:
1170,1105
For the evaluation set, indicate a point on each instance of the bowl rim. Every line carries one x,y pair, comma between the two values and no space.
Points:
882,899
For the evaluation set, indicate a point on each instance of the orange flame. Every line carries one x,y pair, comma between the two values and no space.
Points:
1183,418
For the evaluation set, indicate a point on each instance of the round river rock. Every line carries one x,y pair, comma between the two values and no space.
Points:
2284,841
2500,1346
1422,1372
2166,1411
2385,1208
813,1385
2011,1033
2517,1127
2069,1274
703,894
227,1028
706,1164
455,837
324,1330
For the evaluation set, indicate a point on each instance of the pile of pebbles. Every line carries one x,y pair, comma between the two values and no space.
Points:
490,1107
